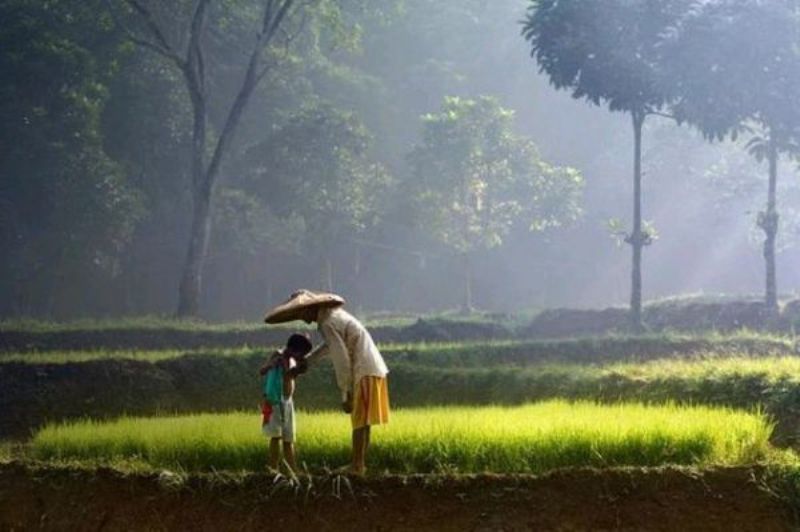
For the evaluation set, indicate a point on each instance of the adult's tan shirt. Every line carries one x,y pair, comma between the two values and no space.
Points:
350,346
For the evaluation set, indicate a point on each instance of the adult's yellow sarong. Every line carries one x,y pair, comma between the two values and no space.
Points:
371,402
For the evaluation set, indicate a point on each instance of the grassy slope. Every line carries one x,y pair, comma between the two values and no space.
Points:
197,325
531,438
481,353
216,383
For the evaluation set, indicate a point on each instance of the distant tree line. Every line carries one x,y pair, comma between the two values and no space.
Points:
194,157
145,139
726,67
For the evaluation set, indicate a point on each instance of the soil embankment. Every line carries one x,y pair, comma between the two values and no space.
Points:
686,316
151,339
34,393
657,499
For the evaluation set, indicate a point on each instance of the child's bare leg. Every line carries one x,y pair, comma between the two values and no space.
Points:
288,455
274,452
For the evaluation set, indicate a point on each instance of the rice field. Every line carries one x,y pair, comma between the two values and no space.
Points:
531,438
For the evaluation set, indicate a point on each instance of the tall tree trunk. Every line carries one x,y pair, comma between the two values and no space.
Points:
192,274
769,223
203,179
192,277
192,66
637,238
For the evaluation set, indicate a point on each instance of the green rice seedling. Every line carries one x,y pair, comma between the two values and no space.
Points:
525,439
6,451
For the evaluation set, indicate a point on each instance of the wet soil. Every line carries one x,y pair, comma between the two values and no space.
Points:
42,498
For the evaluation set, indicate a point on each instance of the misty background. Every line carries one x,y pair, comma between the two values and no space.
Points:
94,173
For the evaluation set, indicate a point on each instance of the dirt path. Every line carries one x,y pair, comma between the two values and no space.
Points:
663,499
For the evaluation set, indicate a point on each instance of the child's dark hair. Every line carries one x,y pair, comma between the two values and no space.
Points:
299,344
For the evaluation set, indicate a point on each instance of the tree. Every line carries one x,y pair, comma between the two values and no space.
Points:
473,179
66,209
734,67
179,32
606,52
317,168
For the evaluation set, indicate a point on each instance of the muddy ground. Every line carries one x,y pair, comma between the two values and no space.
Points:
34,498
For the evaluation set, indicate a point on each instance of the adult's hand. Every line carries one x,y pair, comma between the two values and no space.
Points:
299,369
347,404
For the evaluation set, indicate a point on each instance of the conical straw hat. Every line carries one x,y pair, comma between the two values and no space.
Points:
298,302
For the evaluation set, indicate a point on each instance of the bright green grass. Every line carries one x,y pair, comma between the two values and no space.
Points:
741,381
710,365
531,438
5,451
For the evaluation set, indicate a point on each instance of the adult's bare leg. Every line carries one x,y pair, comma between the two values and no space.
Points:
360,442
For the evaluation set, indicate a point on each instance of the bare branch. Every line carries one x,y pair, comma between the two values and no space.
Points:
251,79
651,112
288,38
144,43
267,18
276,22
194,53
161,46
135,39
151,23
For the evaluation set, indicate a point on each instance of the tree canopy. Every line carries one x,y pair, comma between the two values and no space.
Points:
96,175
604,51
474,178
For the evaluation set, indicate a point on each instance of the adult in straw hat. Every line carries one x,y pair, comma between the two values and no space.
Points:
360,369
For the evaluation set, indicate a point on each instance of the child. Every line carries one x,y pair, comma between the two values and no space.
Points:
361,372
277,408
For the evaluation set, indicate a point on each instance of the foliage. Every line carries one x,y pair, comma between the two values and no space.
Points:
737,177
531,439
474,179
248,229
317,167
67,211
604,51
619,233
741,81
731,62
97,184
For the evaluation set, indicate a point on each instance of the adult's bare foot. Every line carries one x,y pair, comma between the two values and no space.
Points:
350,470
